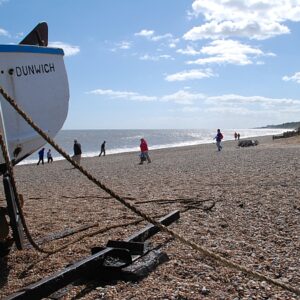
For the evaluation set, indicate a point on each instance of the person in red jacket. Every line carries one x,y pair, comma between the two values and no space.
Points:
144,152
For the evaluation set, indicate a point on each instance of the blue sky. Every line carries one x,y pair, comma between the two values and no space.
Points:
170,63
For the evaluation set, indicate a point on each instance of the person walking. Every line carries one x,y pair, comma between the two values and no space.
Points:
235,136
219,138
41,156
144,152
49,156
77,152
102,149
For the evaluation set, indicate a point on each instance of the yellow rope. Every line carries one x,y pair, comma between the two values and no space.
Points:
182,239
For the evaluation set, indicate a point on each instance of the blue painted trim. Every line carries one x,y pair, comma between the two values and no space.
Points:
30,49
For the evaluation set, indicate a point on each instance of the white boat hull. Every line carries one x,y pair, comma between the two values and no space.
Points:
35,77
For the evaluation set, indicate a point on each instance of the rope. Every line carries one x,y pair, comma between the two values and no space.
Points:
89,235
183,240
14,186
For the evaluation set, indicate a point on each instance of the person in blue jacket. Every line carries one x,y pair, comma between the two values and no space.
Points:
218,139
41,156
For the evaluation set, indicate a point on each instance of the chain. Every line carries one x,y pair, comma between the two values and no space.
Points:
163,228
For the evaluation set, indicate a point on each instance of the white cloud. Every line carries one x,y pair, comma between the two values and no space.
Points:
189,50
231,110
148,57
254,19
231,100
173,42
238,99
68,49
166,56
247,106
295,77
232,104
229,52
3,31
190,74
242,29
122,95
19,35
180,97
124,45
145,33
161,37
183,97
228,105
149,34
156,57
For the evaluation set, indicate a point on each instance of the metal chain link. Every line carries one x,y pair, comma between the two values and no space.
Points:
182,239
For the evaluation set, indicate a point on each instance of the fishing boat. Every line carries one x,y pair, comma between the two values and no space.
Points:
34,75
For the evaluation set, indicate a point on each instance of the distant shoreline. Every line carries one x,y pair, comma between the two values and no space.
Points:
290,125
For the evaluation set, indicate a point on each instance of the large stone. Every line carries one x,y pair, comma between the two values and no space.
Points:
247,143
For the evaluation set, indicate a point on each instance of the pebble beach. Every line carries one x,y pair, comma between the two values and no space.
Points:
240,203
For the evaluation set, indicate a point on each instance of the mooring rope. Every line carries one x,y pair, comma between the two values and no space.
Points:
182,239
17,200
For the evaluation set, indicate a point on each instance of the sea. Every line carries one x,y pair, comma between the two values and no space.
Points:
119,141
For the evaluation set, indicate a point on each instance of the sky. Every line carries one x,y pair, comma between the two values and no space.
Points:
152,64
